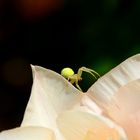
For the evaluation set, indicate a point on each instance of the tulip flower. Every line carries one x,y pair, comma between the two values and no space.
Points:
109,110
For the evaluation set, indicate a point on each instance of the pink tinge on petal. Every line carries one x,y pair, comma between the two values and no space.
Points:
124,108
118,94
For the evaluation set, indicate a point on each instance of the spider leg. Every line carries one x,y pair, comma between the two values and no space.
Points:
74,79
92,72
71,79
76,83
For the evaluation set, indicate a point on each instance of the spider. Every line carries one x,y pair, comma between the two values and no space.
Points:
69,74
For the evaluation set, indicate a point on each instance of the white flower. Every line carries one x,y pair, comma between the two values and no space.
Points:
109,110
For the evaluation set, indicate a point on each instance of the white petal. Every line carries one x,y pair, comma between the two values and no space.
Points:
118,93
89,105
51,94
77,125
27,133
103,90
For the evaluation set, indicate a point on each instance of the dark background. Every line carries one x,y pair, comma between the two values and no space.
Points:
55,34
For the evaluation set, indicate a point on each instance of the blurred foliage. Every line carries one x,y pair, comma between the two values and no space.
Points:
55,34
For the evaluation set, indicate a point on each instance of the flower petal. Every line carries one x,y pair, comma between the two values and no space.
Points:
125,108
77,125
103,90
27,133
51,94
118,93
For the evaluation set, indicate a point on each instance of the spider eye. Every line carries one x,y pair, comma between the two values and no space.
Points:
67,72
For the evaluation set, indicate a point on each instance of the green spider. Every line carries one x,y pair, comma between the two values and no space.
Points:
69,74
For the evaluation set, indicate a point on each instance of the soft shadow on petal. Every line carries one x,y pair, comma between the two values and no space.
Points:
89,105
103,90
27,133
118,94
51,94
77,125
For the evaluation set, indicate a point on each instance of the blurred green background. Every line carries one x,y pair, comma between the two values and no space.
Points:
55,34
